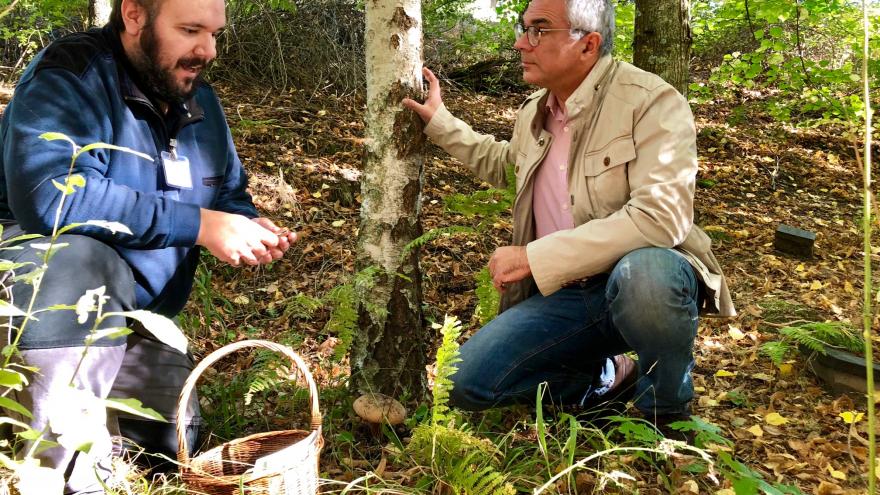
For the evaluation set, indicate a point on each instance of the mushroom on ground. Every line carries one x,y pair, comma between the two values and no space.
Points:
376,409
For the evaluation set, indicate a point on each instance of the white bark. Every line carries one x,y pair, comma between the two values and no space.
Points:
100,11
391,192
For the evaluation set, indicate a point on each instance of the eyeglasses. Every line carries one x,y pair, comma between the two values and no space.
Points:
535,32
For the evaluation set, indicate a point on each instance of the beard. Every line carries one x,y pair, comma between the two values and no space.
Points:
160,81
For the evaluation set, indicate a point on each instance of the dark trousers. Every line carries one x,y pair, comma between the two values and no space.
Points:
129,366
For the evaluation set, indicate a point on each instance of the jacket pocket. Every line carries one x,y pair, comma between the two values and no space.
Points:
607,175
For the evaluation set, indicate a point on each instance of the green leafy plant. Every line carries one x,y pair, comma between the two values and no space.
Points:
459,459
14,375
344,299
814,337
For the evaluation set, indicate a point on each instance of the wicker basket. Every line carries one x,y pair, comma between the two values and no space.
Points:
241,466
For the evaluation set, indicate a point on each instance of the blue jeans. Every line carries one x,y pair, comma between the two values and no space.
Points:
647,304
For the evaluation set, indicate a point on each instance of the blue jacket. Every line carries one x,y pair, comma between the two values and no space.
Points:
83,86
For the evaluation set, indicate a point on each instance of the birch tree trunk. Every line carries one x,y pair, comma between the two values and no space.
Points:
389,352
662,41
99,12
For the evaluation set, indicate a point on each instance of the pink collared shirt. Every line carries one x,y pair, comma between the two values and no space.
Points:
551,202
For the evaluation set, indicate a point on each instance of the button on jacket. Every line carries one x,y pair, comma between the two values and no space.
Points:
632,174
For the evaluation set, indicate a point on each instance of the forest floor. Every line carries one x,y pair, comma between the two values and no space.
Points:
755,174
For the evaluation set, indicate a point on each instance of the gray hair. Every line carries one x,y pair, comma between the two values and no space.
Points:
587,16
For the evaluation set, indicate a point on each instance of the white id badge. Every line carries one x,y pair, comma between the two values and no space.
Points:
177,172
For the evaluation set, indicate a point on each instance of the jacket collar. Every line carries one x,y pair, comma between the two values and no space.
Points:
130,85
578,104
585,94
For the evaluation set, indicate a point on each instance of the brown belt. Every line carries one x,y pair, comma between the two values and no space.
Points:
579,283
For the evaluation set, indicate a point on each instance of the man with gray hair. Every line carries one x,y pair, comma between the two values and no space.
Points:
605,256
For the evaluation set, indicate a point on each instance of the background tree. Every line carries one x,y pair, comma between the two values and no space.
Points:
99,12
389,353
662,42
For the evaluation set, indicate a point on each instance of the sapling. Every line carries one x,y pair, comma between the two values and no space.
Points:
32,478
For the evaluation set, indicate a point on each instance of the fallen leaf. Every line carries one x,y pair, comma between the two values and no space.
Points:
756,430
786,369
338,223
690,486
850,417
735,333
724,373
242,299
840,475
775,419
816,285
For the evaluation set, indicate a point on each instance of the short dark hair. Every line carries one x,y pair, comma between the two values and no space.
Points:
116,21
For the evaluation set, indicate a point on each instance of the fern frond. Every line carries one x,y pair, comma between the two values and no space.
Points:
301,306
488,202
776,351
343,318
447,358
467,476
488,298
804,337
432,234
836,334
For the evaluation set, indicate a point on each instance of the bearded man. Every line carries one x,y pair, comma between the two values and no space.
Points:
136,84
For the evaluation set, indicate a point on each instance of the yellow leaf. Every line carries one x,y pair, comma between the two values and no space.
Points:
270,164
316,195
775,419
724,373
338,223
757,431
850,417
705,401
735,333
725,491
836,474
242,299
848,287
816,285
799,268
785,369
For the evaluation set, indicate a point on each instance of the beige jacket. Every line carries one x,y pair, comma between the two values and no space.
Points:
631,177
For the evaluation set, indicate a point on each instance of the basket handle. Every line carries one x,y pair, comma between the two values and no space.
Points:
189,385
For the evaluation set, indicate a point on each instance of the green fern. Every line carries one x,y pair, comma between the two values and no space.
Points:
488,298
432,234
459,459
815,337
261,383
466,476
804,337
487,202
837,334
301,306
343,318
777,351
447,358
344,299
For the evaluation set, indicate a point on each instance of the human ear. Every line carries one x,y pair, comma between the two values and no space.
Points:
134,16
592,42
